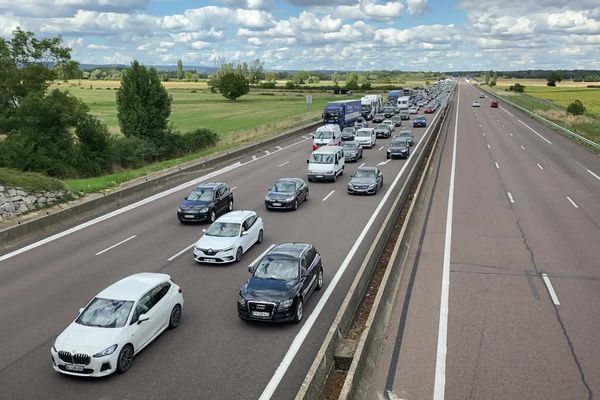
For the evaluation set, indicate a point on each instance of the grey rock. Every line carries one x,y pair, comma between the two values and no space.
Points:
29,200
2,188
12,192
23,208
8,207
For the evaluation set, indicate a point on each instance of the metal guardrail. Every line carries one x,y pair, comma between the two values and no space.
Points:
546,121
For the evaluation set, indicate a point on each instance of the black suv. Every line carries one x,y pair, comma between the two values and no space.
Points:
280,284
206,202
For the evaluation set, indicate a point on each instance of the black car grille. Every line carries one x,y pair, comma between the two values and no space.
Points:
257,306
77,358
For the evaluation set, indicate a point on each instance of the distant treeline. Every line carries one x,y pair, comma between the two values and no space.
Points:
577,75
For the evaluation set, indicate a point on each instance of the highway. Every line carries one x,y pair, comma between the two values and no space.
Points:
213,354
500,297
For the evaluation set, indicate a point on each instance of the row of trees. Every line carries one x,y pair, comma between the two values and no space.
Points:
52,131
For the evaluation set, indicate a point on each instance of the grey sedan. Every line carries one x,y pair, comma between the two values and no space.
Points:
366,180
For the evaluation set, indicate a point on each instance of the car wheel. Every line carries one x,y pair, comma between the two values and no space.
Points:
319,279
260,236
175,318
213,216
334,176
125,359
230,206
387,156
298,311
238,255
306,195
295,204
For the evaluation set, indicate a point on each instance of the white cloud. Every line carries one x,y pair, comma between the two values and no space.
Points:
416,6
93,46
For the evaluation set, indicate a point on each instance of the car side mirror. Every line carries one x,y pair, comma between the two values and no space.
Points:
142,318
251,269
81,310
203,230
307,161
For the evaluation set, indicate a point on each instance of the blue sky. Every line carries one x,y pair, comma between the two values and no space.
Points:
437,35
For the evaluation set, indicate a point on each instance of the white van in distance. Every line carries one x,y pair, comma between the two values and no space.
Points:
327,135
326,163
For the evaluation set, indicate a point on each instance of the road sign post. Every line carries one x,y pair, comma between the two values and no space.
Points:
309,101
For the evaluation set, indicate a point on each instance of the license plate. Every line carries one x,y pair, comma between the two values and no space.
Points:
209,260
260,314
276,204
73,367
188,216
319,176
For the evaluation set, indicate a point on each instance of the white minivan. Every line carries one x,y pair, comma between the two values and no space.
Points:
327,135
365,137
326,163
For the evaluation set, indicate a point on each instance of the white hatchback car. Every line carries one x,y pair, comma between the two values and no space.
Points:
390,123
229,237
117,324
366,137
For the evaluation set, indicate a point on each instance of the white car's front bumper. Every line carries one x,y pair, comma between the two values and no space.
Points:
96,367
214,257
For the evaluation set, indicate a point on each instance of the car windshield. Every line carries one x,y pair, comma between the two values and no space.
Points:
420,119
321,158
223,229
382,126
364,173
201,195
350,145
348,130
323,135
399,143
278,268
105,313
284,187
363,133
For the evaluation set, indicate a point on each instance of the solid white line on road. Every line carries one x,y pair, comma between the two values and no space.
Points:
361,165
267,152
312,318
257,259
550,289
588,170
510,197
278,147
496,164
572,202
282,164
523,147
135,205
381,148
439,387
506,111
233,188
534,131
489,147
116,244
540,167
329,195
511,134
253,157
305,137
181,252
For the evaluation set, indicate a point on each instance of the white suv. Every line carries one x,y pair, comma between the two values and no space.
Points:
365,137
229,237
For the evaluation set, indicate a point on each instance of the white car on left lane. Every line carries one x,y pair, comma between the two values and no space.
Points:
117,324
229,237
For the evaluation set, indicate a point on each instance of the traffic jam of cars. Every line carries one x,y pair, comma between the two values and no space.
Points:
128,315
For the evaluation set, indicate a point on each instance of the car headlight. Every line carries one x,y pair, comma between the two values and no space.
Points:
203,209
230,248
106,352
328,172
351,186
290,198
179,209
371,186
241,300
286,303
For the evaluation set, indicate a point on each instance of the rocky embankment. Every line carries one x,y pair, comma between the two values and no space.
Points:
16,201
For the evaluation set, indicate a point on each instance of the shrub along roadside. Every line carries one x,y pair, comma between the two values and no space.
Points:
30,181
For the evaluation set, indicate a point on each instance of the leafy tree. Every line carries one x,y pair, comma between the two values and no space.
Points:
313,79
255,71
269,76
94,146
27,65
517,87
143,104
553,77
576,108
96,74
336,79
188,75
179,69
300,77
290,85
352,81
233,85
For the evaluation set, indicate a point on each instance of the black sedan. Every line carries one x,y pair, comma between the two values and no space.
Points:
348,133
366,180
206,202
287,193
281,283
420,122
382,131
398,148
353,151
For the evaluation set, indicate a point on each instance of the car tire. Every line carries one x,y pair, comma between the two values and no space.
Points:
387,156
298,311
125,359
238,255
319,279
213,216
230,206
306,196
334,177
260,236
175,318
295,207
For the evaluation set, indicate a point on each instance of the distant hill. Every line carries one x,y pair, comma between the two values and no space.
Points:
168,68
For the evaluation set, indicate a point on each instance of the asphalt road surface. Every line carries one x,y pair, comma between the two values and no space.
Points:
523,269
213,354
